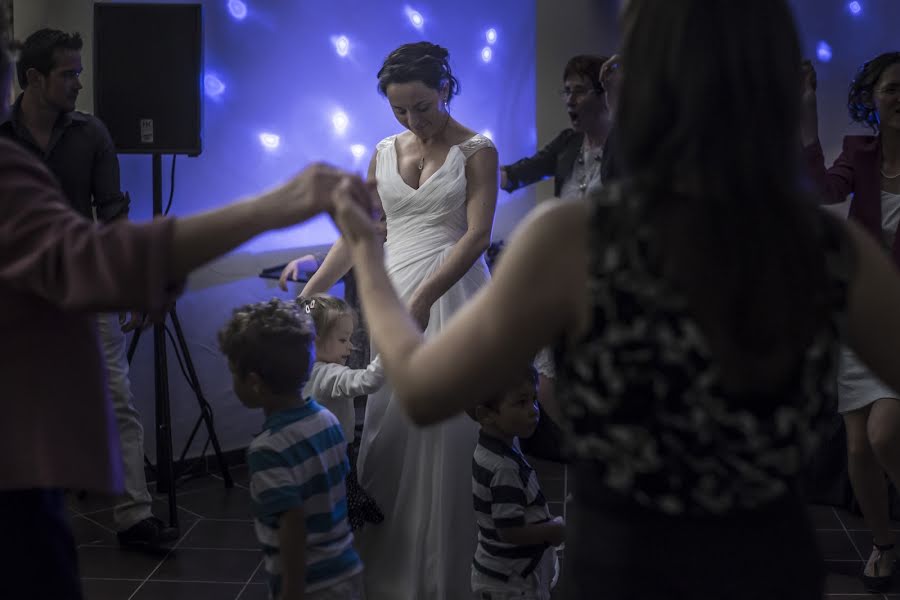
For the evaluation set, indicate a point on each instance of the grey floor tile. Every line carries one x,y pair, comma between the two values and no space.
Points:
836,545
218,503
187,590
102,589
843,577
221,534
112,562
227,566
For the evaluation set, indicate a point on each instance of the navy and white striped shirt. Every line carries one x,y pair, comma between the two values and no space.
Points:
506,493
300,460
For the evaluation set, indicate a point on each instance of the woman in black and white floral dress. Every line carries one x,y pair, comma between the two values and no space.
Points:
696,311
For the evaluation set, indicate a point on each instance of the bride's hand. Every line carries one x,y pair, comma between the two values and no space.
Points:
420,308
353,210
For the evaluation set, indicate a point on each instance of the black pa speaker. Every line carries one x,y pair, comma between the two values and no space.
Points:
148,64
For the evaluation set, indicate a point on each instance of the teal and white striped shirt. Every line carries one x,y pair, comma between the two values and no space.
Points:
300,460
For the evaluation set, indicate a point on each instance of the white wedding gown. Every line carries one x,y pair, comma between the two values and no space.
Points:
421,477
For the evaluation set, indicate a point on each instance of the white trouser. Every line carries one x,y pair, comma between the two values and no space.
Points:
135,504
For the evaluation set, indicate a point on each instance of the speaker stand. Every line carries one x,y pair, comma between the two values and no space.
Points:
166,479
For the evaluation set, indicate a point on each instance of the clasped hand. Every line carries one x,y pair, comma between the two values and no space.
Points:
354,209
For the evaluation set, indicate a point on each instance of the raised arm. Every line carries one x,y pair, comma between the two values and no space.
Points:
502,328
532,169
481,203
836,183
338,260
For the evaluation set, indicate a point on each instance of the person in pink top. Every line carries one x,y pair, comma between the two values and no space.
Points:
869,169
57,270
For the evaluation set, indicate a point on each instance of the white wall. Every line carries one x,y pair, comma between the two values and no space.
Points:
566,29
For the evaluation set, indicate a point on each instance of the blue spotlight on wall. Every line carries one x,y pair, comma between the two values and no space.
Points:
340,121
855,8
269,141
237,9
341,45
415,17
823,52
487,54
358,151
213,86
491,36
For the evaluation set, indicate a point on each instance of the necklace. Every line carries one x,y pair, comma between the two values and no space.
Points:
421,164
886,176
590,169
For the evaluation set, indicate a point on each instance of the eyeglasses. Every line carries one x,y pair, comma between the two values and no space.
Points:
576,92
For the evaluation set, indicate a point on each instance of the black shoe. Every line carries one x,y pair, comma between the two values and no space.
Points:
151,533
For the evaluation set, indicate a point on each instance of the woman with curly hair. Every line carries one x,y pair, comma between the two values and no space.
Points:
869,169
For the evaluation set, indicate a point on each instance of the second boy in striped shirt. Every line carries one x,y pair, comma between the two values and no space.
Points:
515,557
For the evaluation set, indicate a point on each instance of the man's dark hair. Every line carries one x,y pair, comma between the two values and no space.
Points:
39,51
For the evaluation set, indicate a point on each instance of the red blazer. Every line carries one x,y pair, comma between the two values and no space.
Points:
856,171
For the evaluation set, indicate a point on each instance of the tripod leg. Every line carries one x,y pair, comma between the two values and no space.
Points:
205,412
165,478
133,345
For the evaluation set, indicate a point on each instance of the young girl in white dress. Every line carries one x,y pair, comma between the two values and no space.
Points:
334,385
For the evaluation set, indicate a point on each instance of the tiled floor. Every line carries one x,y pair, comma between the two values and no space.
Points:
217,558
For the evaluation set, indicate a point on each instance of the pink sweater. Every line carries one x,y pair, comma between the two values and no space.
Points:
56,270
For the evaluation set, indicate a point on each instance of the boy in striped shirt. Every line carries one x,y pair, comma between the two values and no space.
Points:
515,557
299,461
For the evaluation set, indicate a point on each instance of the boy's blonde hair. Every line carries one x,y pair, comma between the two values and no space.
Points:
325,310
272,339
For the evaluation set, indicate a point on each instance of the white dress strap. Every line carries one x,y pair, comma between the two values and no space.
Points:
474,144
386,142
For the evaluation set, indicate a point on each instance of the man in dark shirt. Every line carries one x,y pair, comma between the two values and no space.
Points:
78,149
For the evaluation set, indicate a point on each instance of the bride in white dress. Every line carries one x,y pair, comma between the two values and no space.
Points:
438,188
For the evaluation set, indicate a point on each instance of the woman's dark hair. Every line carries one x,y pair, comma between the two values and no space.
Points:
709,133
587,66
5,53
39,51
860,98
422,61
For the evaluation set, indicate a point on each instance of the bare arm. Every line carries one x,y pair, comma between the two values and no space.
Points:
873,323
200,238
48,251
499,330
481,203
338,260
292,542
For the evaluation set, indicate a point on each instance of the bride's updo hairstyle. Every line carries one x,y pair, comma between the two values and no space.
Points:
421,61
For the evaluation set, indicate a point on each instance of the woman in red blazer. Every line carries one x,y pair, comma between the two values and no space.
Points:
869,170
